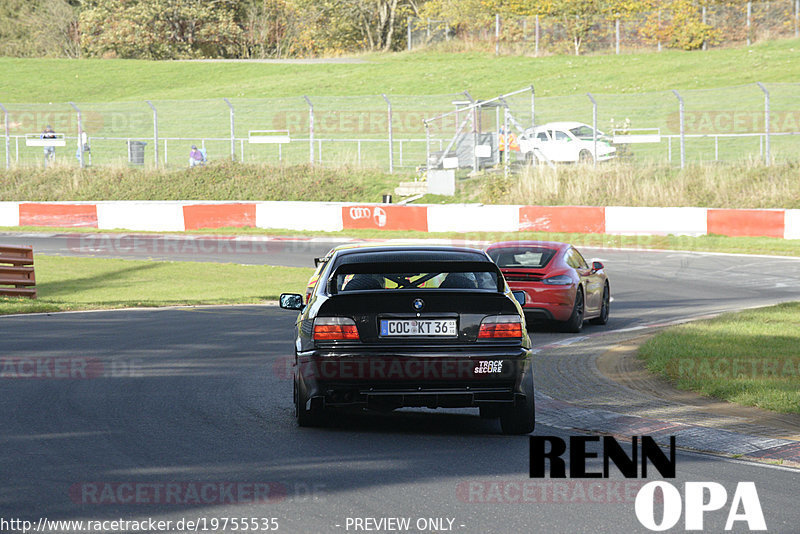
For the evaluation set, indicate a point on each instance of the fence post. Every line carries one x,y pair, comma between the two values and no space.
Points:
497,34
391,134
408,33
616,28
766,120
233,139
155,130
594,129
749,15
705,43
474,120
536,37
797,18
533,107
427,146
80,133
310,130
681,110
8,139
505,142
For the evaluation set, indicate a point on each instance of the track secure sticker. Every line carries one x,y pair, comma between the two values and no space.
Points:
486,367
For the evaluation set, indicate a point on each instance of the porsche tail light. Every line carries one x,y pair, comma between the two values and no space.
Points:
335,329
501,326
559,280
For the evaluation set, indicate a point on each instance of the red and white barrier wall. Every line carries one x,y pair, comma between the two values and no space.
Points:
333,216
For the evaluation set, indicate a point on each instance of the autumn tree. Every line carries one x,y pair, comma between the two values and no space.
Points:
159,29
39,28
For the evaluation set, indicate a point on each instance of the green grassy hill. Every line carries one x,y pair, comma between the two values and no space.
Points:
416,73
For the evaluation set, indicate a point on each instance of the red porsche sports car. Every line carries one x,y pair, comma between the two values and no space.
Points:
558,283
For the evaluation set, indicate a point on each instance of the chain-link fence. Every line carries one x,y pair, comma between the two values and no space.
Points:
701,27
389,131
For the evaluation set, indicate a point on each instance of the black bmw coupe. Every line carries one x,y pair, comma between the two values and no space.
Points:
412,326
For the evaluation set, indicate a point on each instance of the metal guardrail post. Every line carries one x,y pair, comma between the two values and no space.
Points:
681,110
761,86
233,138
80,134
391,134
310,129
155,130
594,129
8,139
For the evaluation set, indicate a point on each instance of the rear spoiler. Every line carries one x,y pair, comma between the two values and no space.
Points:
417,267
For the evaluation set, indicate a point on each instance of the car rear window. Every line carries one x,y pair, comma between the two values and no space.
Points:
377,281
522,257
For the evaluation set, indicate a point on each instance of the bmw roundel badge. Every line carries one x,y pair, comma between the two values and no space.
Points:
418,304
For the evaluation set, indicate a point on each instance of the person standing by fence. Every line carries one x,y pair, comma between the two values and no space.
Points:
49,151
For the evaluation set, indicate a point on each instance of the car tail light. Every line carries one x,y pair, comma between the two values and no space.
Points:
501,326
559,280
335,329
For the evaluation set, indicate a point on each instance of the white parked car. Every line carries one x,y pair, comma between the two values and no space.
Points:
565,142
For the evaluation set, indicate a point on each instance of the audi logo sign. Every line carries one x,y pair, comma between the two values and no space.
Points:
385,217
377,213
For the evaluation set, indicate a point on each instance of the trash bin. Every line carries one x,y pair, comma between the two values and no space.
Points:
136,152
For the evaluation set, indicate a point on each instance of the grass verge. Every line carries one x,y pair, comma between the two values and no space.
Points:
414,73
217,181
66,284
750,358
746,184
709,243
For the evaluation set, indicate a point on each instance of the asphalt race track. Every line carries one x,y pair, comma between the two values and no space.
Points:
139,409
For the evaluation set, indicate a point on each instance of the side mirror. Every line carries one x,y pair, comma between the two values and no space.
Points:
597,266
291,301
317,261
520,297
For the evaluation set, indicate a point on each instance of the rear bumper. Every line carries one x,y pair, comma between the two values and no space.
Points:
388,381
542,302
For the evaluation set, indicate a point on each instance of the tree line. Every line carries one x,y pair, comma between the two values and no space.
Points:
184,29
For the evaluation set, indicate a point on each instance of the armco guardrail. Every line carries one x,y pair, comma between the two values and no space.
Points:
16,269
177,216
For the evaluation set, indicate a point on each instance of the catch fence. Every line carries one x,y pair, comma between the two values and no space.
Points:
744,122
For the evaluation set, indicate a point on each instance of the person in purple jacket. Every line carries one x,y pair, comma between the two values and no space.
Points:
196,157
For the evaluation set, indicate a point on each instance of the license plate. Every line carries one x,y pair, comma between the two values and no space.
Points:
418,327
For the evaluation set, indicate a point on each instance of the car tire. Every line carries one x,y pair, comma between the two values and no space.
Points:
530,159
604,308
305,417
585,156
521,417
575,322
